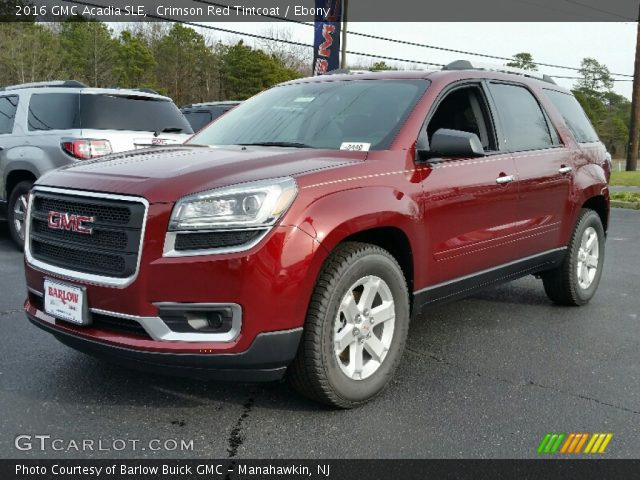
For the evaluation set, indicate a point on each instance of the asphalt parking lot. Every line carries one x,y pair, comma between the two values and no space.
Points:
483,377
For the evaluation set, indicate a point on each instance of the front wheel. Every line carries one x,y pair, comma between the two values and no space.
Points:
356,327
17,211
576,280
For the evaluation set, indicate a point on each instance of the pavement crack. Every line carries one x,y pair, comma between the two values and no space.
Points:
236,437
10,312
518,384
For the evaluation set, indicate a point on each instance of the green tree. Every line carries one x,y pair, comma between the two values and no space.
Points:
186,66
135,65
379,66
30,53
609,113
596,78
89,51
247,71
523,60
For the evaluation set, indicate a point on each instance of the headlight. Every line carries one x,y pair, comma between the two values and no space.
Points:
252,204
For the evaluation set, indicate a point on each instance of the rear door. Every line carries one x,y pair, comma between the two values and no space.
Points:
544,168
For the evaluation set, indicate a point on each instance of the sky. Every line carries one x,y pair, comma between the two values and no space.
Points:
612,44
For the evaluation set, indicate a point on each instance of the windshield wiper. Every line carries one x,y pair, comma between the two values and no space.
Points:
276,144
168,130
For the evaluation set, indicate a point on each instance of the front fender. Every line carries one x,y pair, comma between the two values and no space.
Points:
333,217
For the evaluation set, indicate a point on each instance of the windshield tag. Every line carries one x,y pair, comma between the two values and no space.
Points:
355,146
304,99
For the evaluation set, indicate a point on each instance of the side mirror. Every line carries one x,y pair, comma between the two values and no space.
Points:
451,143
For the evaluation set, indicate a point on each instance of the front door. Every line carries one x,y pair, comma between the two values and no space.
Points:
469,204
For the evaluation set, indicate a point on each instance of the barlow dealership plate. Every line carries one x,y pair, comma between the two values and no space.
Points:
66,302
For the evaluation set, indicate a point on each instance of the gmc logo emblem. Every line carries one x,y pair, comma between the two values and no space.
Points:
70,222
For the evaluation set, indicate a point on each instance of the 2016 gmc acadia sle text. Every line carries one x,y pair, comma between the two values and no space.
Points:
298,234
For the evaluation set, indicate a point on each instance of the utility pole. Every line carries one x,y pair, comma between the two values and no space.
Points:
343,56
634,124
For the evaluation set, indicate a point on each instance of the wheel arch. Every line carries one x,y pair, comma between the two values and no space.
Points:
376,215
16,176
600,205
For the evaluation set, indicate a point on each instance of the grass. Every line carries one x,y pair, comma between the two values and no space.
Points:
633,197
626,179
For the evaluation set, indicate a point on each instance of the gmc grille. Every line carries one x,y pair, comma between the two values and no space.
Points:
112,247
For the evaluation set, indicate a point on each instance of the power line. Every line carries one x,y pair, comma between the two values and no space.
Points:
580,78
414,44
351,52
263,37
595,9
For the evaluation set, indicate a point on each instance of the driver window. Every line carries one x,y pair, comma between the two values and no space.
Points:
464,109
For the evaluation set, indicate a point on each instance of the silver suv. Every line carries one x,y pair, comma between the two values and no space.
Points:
47,125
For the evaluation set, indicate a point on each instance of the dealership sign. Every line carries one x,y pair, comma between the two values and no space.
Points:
326,43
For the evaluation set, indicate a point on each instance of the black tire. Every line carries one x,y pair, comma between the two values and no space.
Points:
562,284
18,191
315,372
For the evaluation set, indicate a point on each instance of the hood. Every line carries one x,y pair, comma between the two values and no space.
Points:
166,174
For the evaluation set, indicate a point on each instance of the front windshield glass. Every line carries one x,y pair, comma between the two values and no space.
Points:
328,114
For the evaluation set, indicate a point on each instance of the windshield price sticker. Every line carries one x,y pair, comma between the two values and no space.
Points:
355,146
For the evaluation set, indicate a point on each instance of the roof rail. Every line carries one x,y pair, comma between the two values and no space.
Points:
54,83
467,65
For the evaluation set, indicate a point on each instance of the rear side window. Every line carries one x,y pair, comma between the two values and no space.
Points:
54,111
525,125
574,116
8,107
197,119
129,112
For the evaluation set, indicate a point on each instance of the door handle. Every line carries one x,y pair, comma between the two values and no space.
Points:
505,179
565,169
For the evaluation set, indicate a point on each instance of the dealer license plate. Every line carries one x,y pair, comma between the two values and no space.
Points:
66,302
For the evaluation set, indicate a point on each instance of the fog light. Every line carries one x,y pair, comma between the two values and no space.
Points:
200,320
205,320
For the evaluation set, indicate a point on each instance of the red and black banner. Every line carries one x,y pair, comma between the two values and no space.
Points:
326,42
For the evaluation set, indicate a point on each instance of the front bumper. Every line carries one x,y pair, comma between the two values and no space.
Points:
266,359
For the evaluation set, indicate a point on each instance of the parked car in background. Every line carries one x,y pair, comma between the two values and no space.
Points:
50,124
201,114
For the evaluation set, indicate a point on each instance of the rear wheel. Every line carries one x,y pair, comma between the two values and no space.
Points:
576,280
17,211
356,328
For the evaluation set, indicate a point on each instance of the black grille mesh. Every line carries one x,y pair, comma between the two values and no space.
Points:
207,240
111,249
117,215
107,322
81,260
100,238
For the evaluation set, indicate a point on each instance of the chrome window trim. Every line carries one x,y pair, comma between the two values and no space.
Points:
74,275
170,242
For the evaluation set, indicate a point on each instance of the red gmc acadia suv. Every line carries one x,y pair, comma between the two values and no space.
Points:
300,232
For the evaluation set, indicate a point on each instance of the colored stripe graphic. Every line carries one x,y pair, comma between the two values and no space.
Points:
551,442
572,443
578,442
598,443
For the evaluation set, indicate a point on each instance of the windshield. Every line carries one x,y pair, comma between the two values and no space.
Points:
332,115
